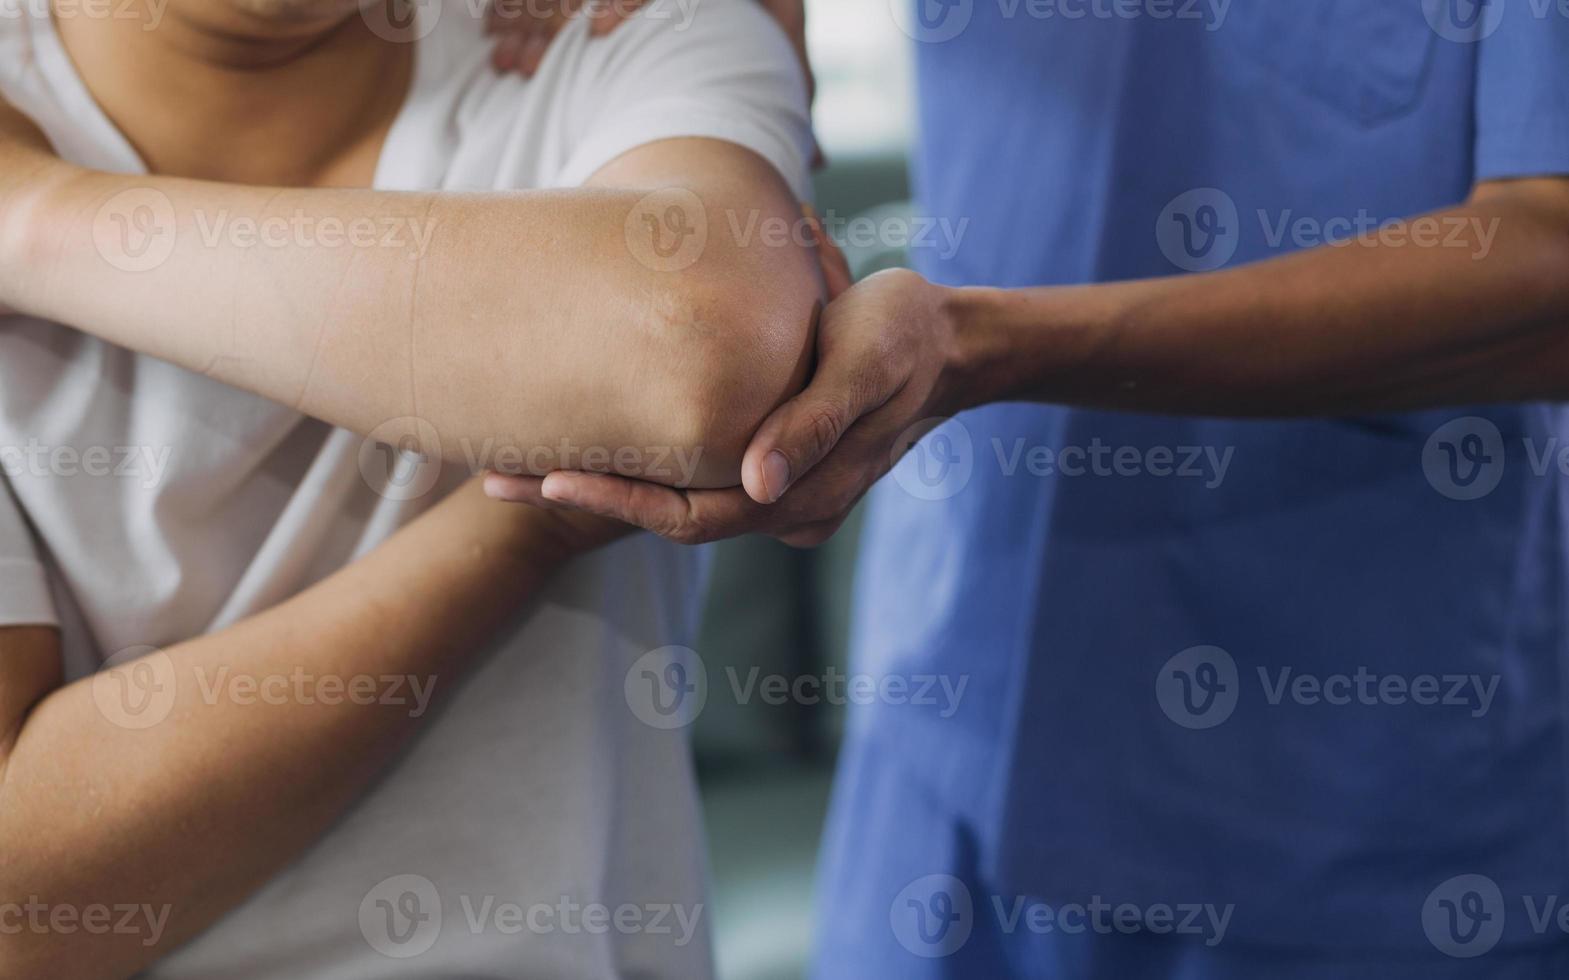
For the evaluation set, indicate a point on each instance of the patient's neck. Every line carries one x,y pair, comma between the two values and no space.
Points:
214,93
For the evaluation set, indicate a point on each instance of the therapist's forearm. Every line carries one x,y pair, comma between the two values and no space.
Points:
524,328
1371,325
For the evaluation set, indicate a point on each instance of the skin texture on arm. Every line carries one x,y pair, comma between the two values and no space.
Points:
1381,323
1390,321
186,817
578,328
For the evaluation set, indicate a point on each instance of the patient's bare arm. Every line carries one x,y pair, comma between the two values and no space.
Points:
561,329
188,815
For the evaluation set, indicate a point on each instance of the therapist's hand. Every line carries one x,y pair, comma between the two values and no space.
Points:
525,28
885,349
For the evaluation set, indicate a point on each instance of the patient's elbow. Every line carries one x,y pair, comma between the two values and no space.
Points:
753,316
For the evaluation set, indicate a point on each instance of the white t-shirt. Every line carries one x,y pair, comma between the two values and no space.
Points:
537,827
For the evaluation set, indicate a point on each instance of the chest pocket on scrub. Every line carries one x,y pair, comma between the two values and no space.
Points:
1366,58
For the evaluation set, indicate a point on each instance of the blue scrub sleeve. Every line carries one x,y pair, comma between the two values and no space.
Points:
1522,93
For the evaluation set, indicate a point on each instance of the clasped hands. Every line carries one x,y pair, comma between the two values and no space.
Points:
887,366
886,354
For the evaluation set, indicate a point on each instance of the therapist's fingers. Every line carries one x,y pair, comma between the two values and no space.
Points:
684,516
518,490
805,429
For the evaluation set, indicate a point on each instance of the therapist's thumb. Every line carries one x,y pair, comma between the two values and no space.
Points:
800,434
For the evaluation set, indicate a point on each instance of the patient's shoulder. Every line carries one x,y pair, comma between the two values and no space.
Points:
716,68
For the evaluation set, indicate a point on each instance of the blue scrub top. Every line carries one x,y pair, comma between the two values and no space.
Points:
1311,670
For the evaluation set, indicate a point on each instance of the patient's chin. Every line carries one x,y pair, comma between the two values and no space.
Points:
307,14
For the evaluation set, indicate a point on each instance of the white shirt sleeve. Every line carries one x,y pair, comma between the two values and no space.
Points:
24,584
720,69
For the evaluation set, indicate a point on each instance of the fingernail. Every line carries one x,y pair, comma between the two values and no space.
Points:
776,475
554,488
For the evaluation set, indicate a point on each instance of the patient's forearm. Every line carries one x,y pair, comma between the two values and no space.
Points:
529,331
273,728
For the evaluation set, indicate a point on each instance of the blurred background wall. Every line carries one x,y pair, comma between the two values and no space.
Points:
774,612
